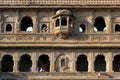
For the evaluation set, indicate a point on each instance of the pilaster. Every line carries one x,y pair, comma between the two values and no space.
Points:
15,67
52,63
109,60
91,63
34,63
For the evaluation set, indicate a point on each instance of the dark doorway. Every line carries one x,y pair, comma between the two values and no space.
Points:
100,64
116,63
82,63
43,64
7,63
25,63
8,27
64,22
26,23
99,24
117,27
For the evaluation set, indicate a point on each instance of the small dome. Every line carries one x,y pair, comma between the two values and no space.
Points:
63,11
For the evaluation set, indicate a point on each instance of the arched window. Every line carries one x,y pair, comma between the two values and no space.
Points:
82,28
117,27
99,24
57,23
43,64
8,27
44,28
64,22
25,63
62,62
82,63
26,24
100,63
116,63
7,63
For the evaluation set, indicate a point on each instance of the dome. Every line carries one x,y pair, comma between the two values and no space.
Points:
63,11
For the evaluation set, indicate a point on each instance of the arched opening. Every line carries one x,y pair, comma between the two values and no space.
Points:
43,64
7,63
116,63
82,63
25,63
99,24
44,28
100,63
62,62
26,24
82,28
64,22
57,23
8,27
117,27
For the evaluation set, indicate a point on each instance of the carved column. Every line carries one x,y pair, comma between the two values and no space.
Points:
15,67
109,60
52,63
108,24
91,63
35,25
34,62
74,59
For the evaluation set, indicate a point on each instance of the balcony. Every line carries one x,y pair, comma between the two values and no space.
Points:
60,2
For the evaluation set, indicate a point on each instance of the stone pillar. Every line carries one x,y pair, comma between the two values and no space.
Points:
91,63
34,62
73,60
108,24
15,59
35,25
109,60
17,26
52,63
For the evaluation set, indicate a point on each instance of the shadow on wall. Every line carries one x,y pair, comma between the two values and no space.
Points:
13,76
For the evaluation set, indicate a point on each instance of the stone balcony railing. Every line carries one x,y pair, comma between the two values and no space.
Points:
52,40
60,2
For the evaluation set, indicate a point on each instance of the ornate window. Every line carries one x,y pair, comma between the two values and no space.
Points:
64,22
26,24
44,28
99,24
8,28
117,27
100,63
43,64
82,28
7,63
62,62
57,23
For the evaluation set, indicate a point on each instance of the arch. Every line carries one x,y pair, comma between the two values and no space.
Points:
44,28
26,23
82,28
8,27
57,23
117,27
100,63
43,64
82,63
64,21
25,63
99,24
116,63
7,63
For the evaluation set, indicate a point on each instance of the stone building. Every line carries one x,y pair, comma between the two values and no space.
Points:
59,39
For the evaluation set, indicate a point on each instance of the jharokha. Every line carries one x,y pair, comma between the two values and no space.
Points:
59,39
